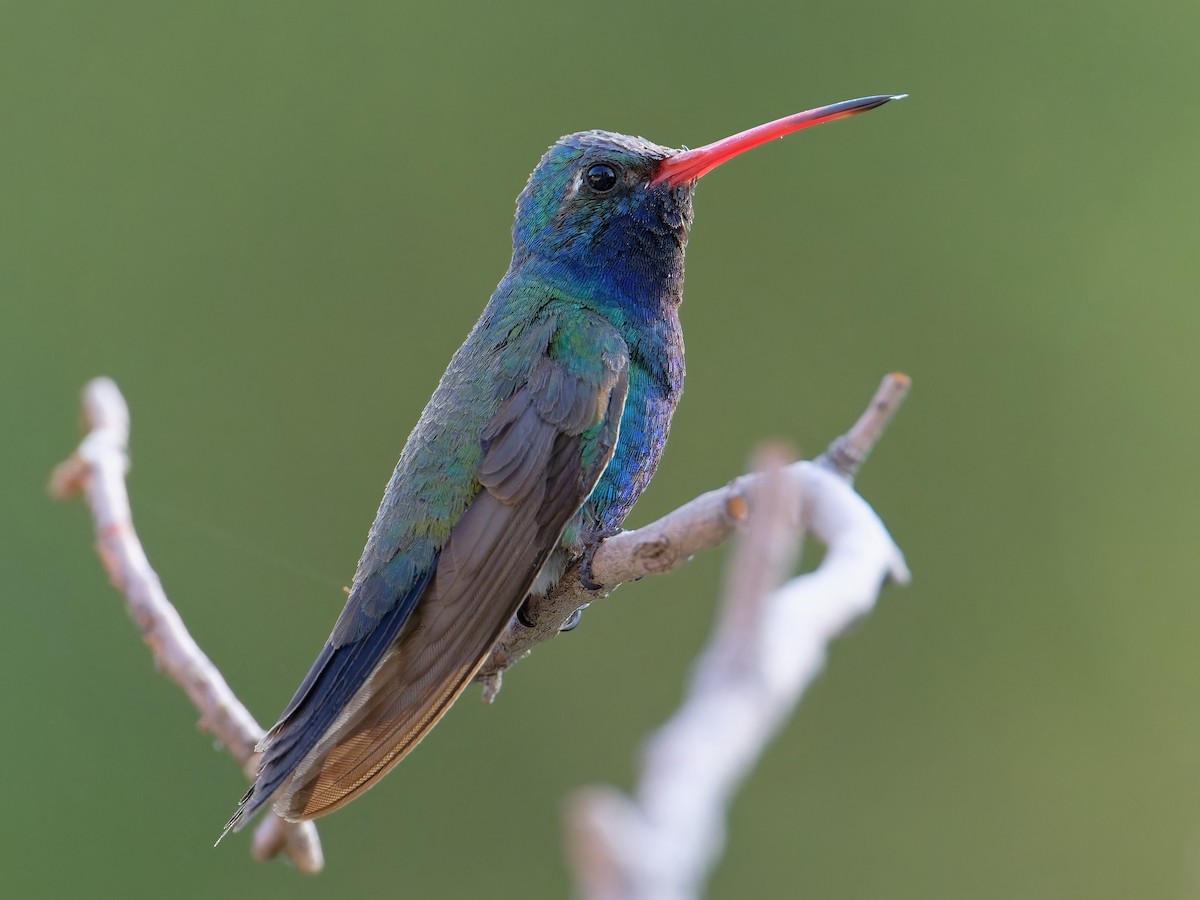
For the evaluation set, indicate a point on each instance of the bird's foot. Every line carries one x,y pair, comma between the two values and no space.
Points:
570,624
590,545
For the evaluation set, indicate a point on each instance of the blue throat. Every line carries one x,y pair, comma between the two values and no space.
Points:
623,266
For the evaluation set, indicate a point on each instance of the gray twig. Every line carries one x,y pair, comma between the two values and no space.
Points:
97,469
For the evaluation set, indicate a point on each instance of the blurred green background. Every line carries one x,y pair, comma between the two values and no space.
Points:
273,223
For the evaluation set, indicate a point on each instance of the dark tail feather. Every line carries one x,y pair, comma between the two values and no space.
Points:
336,677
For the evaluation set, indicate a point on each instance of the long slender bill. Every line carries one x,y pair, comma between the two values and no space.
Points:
692,164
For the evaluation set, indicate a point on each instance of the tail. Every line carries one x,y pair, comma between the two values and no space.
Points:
243,814
331,691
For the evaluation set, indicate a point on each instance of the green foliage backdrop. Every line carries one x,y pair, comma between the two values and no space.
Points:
272,223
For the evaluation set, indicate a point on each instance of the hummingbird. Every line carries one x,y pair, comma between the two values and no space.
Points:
544,430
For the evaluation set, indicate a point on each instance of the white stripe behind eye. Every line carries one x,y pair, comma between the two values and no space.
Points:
576,184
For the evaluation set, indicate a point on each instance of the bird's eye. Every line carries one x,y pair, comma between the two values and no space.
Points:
601,178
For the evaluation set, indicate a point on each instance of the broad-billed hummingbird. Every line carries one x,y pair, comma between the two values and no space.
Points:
545,429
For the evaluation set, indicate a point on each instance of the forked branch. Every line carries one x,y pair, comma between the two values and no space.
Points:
768,645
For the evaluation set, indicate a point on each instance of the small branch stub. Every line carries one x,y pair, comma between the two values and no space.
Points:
847,453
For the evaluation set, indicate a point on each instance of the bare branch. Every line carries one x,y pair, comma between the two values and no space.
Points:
97,469
768,646
664,545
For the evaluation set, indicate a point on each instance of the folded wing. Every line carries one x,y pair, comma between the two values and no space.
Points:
414,638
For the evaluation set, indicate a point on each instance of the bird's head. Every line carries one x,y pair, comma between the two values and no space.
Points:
588,216
607,215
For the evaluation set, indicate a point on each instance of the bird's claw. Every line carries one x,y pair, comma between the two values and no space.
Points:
590,546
